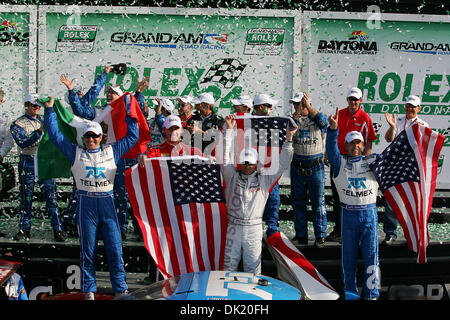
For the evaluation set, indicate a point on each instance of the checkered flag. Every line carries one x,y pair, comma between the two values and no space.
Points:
224,71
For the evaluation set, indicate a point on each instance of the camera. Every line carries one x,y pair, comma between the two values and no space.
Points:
120,68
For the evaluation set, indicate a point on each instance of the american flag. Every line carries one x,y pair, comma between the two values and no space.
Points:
264,133
180,207
406,173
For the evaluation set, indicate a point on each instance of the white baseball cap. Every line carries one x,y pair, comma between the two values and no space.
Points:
263,99
354,92
414,100
171,121
166,104
32,98
249,155
94,127
297,98
354,135
186,99
204,97
242,100
116,89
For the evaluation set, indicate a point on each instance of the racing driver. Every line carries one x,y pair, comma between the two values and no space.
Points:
246,193
358,191
94,168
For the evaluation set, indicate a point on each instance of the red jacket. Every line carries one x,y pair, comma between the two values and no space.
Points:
166,150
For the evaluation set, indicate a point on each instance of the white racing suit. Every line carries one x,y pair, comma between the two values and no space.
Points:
246,197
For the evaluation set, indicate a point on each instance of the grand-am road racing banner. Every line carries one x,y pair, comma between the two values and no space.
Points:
18,56
389,57
183,51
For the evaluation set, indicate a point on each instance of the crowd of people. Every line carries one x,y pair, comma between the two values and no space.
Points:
342,140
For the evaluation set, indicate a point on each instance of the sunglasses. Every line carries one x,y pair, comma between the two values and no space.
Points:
248,163
91,135
411,106
35,106
353,99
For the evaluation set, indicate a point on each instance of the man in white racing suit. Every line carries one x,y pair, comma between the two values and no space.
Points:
246,193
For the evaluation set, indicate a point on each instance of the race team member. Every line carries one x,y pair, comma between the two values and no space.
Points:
243,104
358,191
308,170
412,109
206,123
164,108
351,118
73,96
94,170
172,147
120,192
27,132
89,97
246,192
185,108
262,105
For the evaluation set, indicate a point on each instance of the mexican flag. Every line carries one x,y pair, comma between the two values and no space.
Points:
113,116
49,161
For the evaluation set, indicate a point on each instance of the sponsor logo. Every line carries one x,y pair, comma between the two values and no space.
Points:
76,38
421,47
215,41
264,41
357,183
358,42
12,35
96,172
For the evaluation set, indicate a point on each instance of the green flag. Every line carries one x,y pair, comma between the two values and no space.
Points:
50,162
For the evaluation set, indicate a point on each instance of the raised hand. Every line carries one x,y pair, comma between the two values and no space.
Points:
66,82
290,132
230,120
141,86
50,102
391,119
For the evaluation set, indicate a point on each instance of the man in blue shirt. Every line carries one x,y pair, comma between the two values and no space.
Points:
27,132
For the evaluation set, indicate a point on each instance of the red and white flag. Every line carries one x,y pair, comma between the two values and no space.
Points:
303,275
114,116
406,172
180,207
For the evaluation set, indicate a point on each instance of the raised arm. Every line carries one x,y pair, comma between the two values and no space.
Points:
64,145
334,157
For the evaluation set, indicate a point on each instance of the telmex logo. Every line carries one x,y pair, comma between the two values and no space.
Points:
357,43
357,183
96,172
421,47
168,38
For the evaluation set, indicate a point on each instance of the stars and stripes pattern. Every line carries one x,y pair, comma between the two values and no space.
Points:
180,207
406,172
266,134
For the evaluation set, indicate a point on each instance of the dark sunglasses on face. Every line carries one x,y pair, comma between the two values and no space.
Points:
410,106
352,99
91,135
35,106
